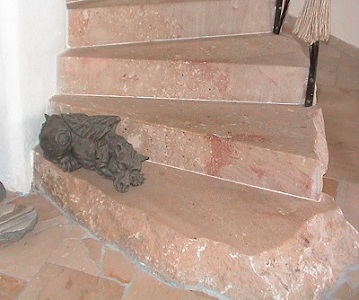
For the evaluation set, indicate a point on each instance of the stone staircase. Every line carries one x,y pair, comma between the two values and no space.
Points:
233,203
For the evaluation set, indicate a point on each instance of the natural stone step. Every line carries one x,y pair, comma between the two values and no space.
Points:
15,221
250,68
107,22
227,239
277,147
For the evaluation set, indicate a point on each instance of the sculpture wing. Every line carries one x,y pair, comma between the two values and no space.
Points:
91,127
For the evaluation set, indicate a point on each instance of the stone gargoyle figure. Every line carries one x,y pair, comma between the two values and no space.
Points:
74,140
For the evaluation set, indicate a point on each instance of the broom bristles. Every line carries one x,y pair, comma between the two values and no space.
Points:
313,23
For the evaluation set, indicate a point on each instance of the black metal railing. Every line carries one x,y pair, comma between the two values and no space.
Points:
313,57
280,14
281,8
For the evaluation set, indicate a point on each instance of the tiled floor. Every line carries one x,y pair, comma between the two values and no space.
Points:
62,260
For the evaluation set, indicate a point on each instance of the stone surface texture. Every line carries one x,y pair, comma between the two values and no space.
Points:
194,231
62,273
275,147
56,282
10,287
304,244
139,21
15,221
250,68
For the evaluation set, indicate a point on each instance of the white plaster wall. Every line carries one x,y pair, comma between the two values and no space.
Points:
32,33
344,18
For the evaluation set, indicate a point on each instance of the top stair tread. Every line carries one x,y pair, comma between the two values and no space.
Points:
262,49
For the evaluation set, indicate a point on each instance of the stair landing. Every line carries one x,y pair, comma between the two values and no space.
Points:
226,239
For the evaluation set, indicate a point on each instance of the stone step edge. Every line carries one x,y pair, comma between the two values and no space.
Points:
79,4
198,268
59,94
169,40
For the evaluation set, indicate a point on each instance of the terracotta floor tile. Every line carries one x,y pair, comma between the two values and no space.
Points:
348,73
328,58
48,215
343,292
117,266
10,287
354,279
46,224
78,254
328,78
341,133
348,200
330,186
60,283
145,287
338,105
44,208
10,196
24,258
94,249
343,164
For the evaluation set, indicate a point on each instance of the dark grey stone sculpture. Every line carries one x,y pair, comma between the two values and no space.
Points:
73,141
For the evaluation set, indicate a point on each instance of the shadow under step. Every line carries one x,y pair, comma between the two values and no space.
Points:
276,147
211,235
247,68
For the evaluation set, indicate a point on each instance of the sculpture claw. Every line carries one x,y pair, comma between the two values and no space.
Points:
137,178
121,185
69,164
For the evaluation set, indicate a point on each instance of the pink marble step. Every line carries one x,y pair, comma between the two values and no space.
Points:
277,147
122,21
251,68
229,240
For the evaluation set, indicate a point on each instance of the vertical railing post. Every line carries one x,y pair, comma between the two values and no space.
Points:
280,13
313,54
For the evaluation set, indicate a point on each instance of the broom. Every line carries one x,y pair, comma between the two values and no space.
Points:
313,23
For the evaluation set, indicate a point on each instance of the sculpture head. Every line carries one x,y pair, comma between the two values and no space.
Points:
55,137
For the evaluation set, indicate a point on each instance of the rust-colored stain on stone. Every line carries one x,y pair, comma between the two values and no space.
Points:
220,154
210,73
69,284
308,183
258,171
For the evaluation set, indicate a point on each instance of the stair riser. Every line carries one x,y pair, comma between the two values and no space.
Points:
234,159
182,80
135,23
230,160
